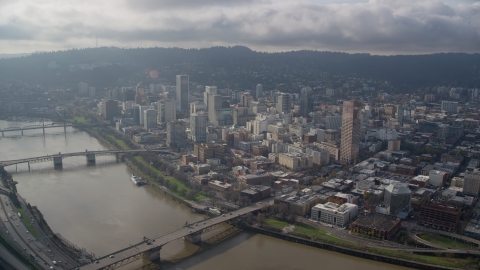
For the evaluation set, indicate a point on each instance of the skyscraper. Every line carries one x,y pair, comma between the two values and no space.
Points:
351,122
150,120
182,93
259,91
400,114
283,103
142,113
198,126
176,135
209,90
214,104
167,111
140,94
306,101
111,109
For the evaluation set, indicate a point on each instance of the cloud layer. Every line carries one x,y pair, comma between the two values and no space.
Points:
376,26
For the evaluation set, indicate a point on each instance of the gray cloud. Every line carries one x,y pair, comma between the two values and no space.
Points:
185,4
379,26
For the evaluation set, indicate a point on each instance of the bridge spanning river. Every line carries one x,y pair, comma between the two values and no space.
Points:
150,248
38,126
90,156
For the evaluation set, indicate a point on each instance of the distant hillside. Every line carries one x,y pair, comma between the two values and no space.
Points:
13,55
238,65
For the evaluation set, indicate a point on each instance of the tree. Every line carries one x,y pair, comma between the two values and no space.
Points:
182,192
283,211
166,183
260,219
191,194
174,187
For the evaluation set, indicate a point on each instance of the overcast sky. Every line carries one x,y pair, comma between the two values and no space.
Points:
375,26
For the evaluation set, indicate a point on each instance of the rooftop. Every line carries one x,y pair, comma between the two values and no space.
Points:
378,222
335,207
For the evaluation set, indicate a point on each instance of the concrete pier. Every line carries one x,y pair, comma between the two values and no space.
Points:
90,159
153,254
194,238
57,162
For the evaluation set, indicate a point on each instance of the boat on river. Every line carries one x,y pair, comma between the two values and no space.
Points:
138,181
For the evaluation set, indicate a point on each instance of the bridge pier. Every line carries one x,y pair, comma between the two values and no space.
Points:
90,159
22,132
194,238
57,162
3,135
153,254
28,165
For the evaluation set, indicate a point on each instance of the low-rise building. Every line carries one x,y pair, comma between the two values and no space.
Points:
254,179
437,178
186,159
256,193
201,168
439,216
420,180
332,213
377,225
220,186
295,161
299,205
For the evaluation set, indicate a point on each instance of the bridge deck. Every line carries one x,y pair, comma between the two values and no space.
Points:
142,247
18,161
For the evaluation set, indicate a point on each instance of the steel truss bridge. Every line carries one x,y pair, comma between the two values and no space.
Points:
90,156
42,126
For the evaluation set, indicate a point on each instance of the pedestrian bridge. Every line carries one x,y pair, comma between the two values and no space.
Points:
150,248
90,156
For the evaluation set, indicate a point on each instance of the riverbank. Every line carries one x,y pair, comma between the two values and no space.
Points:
348,251
143,167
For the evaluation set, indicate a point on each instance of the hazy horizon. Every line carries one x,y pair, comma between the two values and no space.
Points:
379,27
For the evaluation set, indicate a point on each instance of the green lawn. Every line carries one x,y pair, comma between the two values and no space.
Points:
276,223
317,234
171,179
79,119
444,241
27,223
121,143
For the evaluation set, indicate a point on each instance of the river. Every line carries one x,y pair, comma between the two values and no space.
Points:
100,209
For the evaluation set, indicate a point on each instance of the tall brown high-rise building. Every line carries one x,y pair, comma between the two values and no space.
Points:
350,139
140,95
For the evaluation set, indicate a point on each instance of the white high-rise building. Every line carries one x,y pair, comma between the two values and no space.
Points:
214,104
150,120
450,106
209,90
83,89
259,91
142,113
198,126
283,103
167,111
